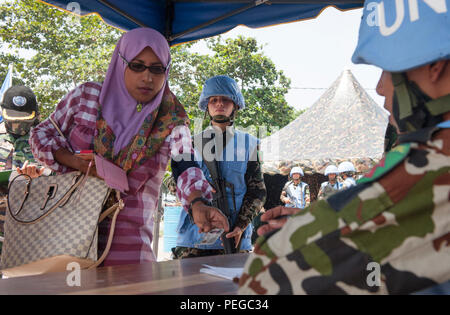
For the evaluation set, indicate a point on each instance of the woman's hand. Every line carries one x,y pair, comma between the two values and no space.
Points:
86,159
31,170
207,218
76,161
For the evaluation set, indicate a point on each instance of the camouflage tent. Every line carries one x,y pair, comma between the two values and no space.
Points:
344,124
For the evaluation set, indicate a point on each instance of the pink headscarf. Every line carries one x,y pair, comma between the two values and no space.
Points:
118,106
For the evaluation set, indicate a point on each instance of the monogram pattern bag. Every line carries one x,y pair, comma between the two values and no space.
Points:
54,219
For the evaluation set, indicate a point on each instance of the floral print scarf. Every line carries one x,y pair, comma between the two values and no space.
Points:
150,137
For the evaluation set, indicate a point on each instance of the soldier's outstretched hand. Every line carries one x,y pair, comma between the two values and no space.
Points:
276,218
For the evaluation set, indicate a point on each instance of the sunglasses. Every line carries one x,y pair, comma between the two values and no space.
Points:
139,67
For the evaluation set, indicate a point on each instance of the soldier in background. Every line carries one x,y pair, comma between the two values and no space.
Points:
240,167
295,193
347,172
20,113
389,234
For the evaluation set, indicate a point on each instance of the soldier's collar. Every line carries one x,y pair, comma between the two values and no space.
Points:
421,136
299,183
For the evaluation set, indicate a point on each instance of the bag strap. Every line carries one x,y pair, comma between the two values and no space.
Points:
61,201
116,208
60,132
110,210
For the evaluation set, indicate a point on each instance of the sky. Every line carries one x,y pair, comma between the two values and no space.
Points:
313,53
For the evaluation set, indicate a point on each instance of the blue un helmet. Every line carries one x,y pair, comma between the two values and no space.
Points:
331,169
401,35
346,167
296,170
221,85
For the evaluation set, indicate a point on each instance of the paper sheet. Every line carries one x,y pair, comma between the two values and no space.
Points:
222,272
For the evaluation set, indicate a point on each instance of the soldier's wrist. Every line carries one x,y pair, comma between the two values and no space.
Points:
195,204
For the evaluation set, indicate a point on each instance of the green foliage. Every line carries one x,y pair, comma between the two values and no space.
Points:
65,50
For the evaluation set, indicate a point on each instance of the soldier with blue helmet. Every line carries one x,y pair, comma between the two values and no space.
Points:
347,172
229,156
389,233
332,185
295,193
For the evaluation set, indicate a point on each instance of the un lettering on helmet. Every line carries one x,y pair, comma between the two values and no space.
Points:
377,15
439,6
418,29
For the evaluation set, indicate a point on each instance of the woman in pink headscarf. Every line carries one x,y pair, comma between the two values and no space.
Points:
133,120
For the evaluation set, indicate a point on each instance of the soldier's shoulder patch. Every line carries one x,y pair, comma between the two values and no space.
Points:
391,160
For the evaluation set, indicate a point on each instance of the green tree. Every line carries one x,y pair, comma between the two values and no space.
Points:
64,50
263,86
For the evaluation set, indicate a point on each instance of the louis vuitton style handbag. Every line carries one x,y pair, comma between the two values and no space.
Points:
52,221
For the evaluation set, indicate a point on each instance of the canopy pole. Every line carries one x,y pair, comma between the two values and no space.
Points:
220,18
122,13
169,19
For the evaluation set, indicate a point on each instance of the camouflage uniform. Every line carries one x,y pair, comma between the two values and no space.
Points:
14,152
391,232
255,197
326,189
397,216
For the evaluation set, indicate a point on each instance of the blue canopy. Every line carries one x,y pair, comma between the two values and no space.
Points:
186,20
